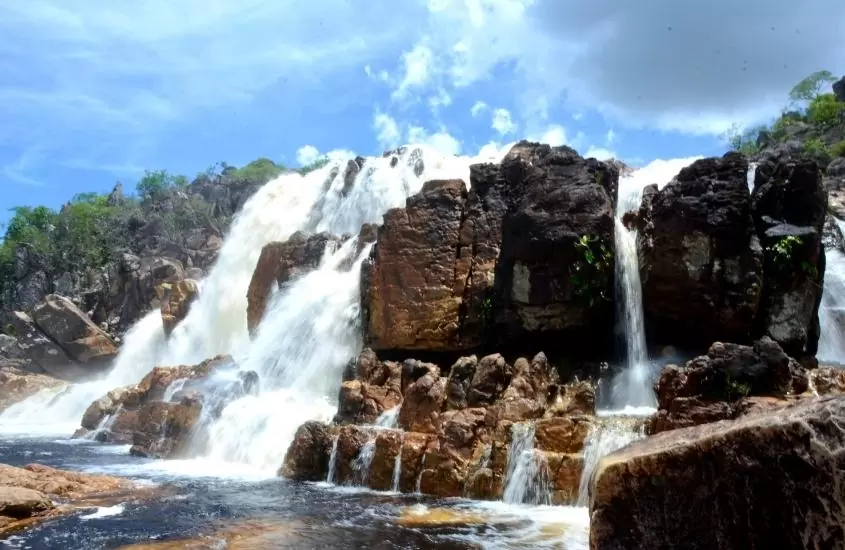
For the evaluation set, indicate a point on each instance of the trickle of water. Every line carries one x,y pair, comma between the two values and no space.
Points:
361,463
418,484
609,434
389,419
332,475
527,477
397,466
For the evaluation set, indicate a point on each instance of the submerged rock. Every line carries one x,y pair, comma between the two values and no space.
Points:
766,480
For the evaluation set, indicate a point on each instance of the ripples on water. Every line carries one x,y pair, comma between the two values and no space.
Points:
302,516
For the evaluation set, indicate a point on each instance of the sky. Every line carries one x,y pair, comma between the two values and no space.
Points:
96,92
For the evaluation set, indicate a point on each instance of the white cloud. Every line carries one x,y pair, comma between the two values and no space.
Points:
307,154
441,140
599,153
387,131
502,122
554,135
441,99
478,108
418,66
610,137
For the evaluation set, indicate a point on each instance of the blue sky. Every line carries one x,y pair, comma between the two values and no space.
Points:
94,92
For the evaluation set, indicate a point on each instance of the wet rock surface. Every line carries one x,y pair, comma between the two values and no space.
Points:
726,484
160,416
454,430
17,385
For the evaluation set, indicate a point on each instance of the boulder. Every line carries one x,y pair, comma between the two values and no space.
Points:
64,323
20,503
43,352
307,458
373,388
528,395
789,207
176,299
716,386
281,262
697,240
766,480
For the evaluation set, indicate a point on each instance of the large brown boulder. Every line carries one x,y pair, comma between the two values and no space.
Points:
372,388
716,386
43,352
70,328
766,480
790,206
526,253
281,262
307,457
697,241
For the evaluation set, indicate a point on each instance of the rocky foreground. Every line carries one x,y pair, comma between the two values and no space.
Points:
36,493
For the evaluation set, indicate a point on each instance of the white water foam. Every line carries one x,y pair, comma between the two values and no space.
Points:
105,512
832,308
609,434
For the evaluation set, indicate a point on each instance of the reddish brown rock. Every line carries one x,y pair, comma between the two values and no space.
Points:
577,398
413,450
164,429
351,439
526,397
490,379
424,401
374,388
562,434
413,285
17,385
724,484
564,476
280,262
388,446
176,299
307,458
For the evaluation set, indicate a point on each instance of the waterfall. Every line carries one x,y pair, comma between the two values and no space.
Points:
832,308
527,476
610,433
389,419
331,477
632,386
397,466
361,463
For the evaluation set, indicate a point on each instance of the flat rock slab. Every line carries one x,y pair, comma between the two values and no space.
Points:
772,479
20,503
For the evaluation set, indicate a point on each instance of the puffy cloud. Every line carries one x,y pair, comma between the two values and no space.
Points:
441,140
477,108
599,153
418,66
554,135
502,122
307,154
387,131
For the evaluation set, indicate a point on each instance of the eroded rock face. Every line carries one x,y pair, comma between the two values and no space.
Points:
697,240
280,262
176,299
790,206
684,488
456,430
455,268
717,386
159,418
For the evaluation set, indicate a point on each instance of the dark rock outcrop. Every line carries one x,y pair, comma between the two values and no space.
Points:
790,205
697,241
727,484
725,384
525,254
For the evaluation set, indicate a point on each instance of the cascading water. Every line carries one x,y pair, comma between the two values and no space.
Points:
527,476
609,434
309,329
632,387
832,309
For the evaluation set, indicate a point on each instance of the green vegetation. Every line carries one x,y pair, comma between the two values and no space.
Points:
838,149
734,389
87,232
785,258
810,114
591,272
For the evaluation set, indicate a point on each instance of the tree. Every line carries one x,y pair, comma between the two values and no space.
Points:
743,140
155,182
809,88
